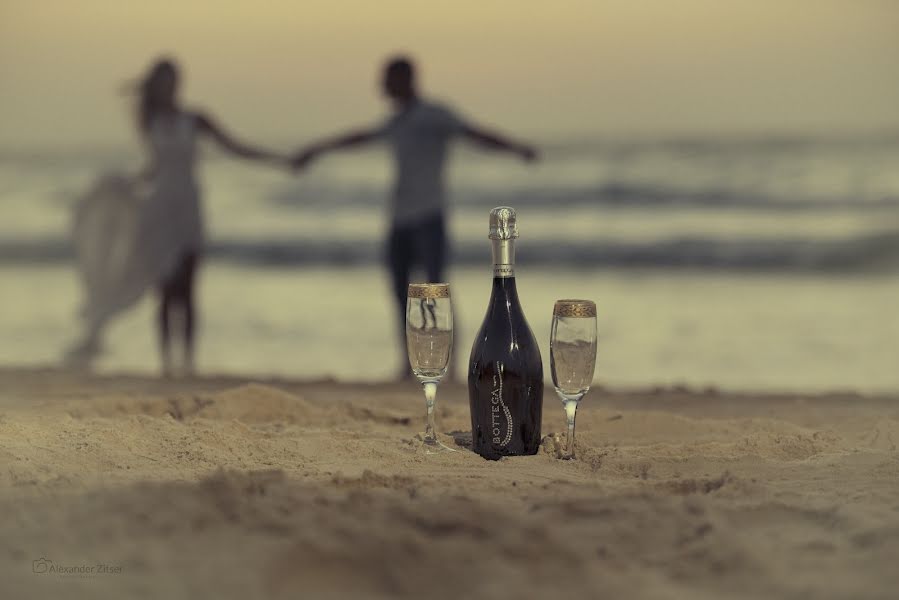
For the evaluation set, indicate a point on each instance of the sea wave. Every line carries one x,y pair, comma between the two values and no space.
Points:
612,195
874,252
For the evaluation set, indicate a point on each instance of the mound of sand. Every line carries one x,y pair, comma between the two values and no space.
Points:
225,489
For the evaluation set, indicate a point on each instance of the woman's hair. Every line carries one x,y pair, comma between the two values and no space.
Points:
149,101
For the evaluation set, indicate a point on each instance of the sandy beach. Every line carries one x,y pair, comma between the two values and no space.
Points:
247,193
227,487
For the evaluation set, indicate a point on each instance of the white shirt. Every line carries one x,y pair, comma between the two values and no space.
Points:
419,137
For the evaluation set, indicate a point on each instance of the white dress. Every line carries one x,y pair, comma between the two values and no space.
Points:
130,238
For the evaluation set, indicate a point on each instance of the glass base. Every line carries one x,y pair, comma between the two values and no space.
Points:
434,446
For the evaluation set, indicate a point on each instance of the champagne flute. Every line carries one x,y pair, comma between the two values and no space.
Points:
429,341
573,356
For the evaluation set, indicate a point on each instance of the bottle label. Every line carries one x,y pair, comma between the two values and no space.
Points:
504,271
503,258
499,412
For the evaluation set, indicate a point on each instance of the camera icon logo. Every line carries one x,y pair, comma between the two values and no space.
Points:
41,566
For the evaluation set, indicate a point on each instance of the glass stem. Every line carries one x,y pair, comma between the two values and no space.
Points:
430,388
571,413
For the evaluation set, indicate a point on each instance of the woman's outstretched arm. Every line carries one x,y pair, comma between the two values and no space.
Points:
352,139
208,125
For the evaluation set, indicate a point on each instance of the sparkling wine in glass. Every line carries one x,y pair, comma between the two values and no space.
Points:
429,340
573,356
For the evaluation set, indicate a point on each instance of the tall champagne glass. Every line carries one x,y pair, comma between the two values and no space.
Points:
429,340
573,356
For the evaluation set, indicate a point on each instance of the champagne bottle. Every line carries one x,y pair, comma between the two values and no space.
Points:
505,372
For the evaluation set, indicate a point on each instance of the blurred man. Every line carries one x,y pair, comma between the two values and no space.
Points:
418,132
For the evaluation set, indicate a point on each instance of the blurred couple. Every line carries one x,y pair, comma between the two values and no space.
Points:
140,233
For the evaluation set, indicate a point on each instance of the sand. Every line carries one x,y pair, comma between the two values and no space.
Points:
229,488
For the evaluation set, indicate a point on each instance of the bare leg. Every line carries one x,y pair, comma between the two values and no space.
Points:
179,301
189,313
164,329
177,297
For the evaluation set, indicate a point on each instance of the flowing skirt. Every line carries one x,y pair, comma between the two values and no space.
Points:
127,240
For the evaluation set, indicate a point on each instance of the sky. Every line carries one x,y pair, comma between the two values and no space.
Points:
288,70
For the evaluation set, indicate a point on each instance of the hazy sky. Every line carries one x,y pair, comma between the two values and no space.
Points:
289,70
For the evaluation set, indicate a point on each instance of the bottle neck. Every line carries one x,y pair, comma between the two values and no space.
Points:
503,258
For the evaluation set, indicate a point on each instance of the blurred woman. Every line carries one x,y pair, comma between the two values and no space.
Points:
133,234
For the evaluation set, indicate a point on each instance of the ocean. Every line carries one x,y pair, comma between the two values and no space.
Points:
762,263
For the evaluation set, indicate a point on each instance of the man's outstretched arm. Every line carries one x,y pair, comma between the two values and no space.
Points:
496,141
352,139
